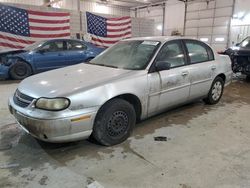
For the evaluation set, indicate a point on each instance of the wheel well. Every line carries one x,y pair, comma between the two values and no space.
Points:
135,101
20,59
222,76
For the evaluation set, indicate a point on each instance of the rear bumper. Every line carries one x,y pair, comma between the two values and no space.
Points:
229,78
4,72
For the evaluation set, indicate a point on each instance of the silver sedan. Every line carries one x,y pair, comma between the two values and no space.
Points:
133,80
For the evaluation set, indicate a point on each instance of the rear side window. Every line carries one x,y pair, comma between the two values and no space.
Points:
75,45
199,52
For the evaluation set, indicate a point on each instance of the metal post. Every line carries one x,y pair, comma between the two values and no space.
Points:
229,25
185,18
79,10
163,20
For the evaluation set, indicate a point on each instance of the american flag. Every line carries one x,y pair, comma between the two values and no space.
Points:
20,27
107,31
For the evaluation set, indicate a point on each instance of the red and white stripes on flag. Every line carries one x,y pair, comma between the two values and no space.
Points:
20,27
116,30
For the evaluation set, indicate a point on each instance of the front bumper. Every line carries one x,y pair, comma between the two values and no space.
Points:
57,130
4,72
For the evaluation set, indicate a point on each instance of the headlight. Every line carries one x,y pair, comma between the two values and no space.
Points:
54,104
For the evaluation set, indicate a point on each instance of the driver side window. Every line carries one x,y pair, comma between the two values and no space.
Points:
53,46
172,53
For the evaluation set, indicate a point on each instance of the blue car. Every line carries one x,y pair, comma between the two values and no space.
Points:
45,55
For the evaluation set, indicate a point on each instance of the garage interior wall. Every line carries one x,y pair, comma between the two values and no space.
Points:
152,12
240,25
210,22
140,26
162,14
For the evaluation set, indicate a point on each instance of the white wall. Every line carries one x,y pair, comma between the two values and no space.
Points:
174,17
240,27
210,22
155,13
95,7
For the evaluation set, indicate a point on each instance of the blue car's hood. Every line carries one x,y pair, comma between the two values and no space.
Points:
25,55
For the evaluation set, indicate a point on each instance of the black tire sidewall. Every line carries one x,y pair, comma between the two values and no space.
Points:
13,73
209,99
100,132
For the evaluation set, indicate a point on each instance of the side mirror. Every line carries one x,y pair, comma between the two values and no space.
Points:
162,65
237,44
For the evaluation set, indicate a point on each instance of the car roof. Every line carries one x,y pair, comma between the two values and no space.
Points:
159,38
64,39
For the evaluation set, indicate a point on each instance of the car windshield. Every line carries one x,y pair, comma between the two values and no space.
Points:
34,46
132,55
245,43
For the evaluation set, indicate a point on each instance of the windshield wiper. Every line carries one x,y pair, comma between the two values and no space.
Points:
112,66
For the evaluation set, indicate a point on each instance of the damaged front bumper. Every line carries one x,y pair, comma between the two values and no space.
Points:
55,130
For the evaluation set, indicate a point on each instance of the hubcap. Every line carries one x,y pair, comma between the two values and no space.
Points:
20,70
216,91
118,124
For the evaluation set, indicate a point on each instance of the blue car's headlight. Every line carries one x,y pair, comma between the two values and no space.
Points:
53,104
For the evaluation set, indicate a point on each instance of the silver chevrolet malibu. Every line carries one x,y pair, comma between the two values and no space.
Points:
133,80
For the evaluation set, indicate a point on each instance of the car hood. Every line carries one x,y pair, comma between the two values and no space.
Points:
72,79
7,51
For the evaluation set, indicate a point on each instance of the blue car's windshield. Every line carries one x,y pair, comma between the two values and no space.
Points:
34,45
132,55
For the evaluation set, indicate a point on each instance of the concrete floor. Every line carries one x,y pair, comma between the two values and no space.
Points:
206,147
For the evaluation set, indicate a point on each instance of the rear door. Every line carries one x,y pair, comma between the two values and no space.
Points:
202,67
76,52
50,56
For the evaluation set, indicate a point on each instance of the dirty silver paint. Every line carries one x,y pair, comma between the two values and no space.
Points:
88,87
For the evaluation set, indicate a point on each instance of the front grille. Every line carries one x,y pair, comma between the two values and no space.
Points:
21,99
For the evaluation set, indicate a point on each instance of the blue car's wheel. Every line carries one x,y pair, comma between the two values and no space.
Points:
20,70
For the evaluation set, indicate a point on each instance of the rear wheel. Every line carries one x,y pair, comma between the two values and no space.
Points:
20,70
215,92
114,122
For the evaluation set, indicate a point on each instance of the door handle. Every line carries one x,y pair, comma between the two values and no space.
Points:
184,73
60,54
213,67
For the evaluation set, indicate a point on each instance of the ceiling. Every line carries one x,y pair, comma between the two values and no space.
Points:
129,3
136,3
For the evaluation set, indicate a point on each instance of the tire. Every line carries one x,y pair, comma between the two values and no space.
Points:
114,122
20,70
215,92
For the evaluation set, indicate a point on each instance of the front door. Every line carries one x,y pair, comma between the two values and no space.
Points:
171,87
50,56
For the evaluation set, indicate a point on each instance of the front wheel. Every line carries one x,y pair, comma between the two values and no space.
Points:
20,70
114,122
215,92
